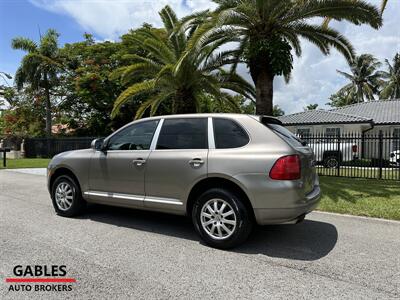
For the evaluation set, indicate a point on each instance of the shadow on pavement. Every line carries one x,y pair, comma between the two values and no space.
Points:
309,240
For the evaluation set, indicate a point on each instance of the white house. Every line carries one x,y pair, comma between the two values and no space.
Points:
364,119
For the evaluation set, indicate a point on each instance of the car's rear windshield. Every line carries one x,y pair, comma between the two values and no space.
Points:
285,134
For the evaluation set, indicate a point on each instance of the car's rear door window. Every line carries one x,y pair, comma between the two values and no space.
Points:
183,133
229,134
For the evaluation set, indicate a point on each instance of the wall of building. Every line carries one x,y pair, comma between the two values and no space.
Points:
321,128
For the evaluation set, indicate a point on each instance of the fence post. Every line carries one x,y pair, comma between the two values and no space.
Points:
338,154
380,154
23,149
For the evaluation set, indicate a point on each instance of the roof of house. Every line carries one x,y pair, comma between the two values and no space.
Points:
321,117
377,112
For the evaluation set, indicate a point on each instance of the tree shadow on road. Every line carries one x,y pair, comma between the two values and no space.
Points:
307,241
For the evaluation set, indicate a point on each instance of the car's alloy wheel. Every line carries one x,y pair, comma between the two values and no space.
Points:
331,162
218,219
67,197
221,218
64,196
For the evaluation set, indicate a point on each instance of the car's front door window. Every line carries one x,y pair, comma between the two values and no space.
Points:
134,137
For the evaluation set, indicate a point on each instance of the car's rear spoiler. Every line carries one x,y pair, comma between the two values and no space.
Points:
267,120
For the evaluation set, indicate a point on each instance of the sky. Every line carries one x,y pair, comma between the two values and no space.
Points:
314,76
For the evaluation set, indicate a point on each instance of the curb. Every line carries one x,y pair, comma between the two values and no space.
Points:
356,217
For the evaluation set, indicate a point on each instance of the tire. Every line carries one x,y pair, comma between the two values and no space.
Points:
331,162
70,203
239,218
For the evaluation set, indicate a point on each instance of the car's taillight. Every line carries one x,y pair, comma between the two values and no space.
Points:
354,148
286,168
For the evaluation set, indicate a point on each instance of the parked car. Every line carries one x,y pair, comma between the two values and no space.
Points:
331,154
225,171
395,158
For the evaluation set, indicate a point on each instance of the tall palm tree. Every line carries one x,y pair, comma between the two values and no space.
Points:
266,31
391,86
364,79
39,67
182,84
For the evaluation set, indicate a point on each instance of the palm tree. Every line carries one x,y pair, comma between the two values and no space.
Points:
391,86
39,67
277,111
182,84
266,31
364,79
311,107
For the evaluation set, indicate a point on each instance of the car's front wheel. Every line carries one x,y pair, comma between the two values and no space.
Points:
67,197
221,218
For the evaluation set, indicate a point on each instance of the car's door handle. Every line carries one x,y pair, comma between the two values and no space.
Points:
196,162
139,162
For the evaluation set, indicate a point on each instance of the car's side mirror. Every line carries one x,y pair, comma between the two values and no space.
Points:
98,145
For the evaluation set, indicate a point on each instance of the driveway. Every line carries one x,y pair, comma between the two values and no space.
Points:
120,253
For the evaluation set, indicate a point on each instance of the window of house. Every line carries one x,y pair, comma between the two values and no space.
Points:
304,133
332,132
185,133
228,134
396,139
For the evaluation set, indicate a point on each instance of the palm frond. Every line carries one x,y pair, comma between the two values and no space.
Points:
25,44
357,12
130,92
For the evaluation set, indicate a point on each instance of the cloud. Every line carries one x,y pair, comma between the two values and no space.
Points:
314,76
111,18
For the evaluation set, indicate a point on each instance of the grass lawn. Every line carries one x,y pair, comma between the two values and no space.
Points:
361,197
26,163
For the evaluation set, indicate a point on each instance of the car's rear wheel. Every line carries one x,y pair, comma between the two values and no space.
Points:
331,162
221,218
67,197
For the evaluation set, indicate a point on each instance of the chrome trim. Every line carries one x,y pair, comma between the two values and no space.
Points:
115,195
134,197
211,141
163,200
153,144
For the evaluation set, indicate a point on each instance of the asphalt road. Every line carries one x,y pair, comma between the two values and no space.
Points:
120,253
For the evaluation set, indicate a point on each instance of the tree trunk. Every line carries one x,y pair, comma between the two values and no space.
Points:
48,106
185,103
264,92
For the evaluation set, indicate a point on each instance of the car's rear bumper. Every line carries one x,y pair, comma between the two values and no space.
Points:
266,216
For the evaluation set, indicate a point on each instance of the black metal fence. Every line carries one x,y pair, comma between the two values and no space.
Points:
357,155
48,147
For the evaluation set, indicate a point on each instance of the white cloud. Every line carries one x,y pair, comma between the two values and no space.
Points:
314,76
111,18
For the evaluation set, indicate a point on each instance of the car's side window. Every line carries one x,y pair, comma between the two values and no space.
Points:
228,134
135,137
184,133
